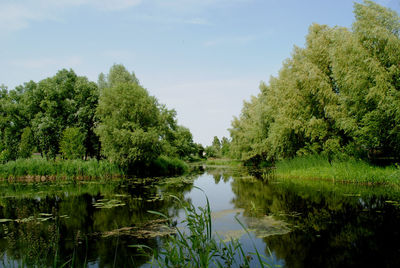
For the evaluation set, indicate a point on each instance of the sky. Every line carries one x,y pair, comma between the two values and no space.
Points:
202,58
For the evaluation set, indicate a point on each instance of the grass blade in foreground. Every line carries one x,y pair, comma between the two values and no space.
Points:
197,247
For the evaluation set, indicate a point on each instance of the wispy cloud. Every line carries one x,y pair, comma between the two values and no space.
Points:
18,15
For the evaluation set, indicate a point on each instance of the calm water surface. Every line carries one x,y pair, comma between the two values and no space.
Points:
307,224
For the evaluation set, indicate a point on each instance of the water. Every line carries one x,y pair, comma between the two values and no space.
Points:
303,224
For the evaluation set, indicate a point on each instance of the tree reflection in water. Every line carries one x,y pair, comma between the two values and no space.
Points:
304,223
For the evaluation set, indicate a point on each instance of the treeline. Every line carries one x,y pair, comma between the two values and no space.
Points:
71,117
337,96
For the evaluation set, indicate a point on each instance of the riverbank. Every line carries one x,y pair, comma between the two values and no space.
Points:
40,169
221,162
349,170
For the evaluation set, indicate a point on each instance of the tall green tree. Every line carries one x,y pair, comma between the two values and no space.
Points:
337,95
72,143
64,100
129,123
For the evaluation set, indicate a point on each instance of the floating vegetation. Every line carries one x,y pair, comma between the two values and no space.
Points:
232,234
105,203
223,213
45,214
155,198
121,195
43,217
394,203
153,228
267,226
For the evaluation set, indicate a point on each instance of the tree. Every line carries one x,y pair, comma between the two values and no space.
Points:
129,124
211,151
339,94
216,143
64,100
72,143
26,145
225,146
184,142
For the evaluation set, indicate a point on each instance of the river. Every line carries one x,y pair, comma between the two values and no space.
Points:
295,223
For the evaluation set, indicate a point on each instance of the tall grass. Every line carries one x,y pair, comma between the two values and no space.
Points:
348,170
162,166
59,168
199,247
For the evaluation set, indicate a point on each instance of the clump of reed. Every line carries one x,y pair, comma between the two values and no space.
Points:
59,168
342,170
198,246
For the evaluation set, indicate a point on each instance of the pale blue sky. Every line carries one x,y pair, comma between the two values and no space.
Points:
200,57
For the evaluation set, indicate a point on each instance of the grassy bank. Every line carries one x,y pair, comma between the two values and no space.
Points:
40,169
222,162
59,168
350,170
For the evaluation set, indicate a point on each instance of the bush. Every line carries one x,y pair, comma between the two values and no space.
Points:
165,166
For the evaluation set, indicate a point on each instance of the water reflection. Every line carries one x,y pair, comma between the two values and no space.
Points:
304,224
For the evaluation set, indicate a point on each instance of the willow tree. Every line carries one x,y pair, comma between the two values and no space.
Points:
337,95
129,124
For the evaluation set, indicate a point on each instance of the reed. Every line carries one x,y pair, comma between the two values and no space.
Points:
347,170
59,168
199,246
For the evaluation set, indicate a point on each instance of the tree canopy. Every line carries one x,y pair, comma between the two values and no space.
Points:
68,115
337,95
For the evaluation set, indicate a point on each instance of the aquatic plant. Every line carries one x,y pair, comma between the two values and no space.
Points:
348,170
34,168
198,246
59,168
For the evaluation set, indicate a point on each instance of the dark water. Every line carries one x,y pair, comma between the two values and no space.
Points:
307,224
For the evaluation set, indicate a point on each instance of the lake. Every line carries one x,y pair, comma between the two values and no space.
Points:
296,223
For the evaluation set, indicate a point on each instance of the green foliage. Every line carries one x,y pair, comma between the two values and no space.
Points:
26,146
199,247
338,95
225,146
340,170
67,114
216,143
166,166
55,103
61,169
134,129
71,144
211,151
128,127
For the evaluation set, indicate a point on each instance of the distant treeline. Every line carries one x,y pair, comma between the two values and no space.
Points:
338,96
71,117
